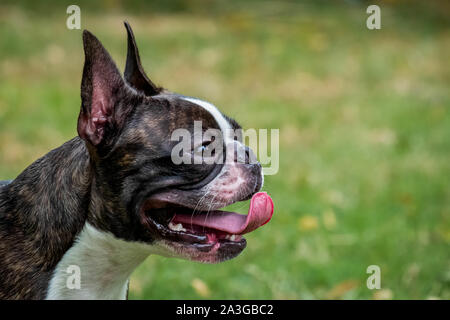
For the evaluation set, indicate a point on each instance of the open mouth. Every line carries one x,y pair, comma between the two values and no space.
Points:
207,230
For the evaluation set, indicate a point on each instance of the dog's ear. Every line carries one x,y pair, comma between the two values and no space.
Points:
102,89
134,73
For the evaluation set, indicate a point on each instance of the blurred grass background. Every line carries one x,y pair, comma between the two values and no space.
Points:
363,118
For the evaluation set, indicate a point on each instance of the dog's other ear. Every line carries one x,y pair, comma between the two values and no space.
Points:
134,73
102,88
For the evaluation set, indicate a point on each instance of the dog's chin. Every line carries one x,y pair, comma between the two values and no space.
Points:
216,252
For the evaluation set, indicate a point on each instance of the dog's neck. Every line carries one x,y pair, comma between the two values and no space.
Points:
46,209
41,212
97,266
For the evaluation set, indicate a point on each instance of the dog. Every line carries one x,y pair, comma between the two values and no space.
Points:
110,197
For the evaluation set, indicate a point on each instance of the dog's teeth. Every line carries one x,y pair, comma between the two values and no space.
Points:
176,227
231,237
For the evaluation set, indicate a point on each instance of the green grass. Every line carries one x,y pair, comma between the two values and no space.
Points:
363,118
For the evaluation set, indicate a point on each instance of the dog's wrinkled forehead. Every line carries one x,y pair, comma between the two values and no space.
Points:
223,123
180,112
187,110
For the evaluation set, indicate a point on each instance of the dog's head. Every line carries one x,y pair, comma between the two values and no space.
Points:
164,163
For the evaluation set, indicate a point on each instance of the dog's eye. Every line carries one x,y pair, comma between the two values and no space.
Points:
207,149
200,149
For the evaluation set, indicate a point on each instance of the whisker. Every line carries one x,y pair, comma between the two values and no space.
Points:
200,202
209,209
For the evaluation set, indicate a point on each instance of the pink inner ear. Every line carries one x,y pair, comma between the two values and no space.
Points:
101,110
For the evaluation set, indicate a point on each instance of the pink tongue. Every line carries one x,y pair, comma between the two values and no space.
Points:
259,213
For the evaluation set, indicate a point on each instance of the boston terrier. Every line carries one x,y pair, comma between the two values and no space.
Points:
107,199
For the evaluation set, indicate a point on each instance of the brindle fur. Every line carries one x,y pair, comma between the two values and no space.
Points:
101,177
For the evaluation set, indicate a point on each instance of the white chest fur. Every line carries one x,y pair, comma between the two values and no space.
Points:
104,263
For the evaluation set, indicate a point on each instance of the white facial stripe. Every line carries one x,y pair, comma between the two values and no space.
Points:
223,123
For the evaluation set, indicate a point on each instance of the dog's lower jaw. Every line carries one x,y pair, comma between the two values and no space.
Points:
104,262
